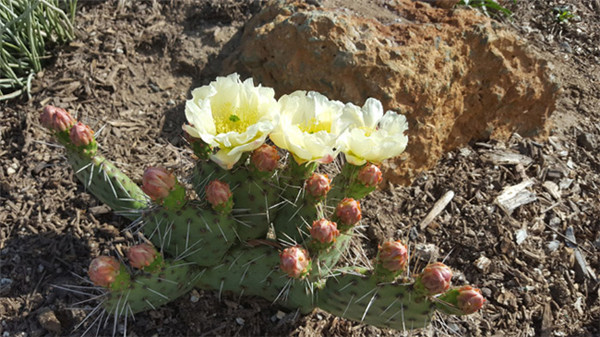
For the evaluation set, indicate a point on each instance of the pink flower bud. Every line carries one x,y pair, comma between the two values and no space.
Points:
469,299
103,270
348,211
265,158
158,182
324,231
318,185
294,261
56,119
393,255
141,255
218,193
436,278
370,175
81,134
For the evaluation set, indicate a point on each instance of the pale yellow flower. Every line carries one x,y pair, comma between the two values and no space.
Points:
373,136
232,115
309,127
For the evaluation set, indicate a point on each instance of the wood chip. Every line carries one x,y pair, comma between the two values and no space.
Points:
437,209
514,196
506,158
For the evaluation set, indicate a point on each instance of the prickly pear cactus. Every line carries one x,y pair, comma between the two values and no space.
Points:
257,226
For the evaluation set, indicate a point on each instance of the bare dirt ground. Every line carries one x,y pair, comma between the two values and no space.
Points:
129,72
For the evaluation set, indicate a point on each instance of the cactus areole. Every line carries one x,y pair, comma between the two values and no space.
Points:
255,223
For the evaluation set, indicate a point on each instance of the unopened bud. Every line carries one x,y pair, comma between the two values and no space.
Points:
436,278
219,195
158,182
370,175
81,134
294,261
103,270
393,256
141,255
265,158
348,211
469,299
324,231
318,185
56,119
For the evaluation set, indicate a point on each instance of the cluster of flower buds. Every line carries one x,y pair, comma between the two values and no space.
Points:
68,130
295,262
324,232
162,187
435,279
370,175
219,196
158,182
265,158
103,271
391,260
56,119
348,213
107,271
142,256
317,185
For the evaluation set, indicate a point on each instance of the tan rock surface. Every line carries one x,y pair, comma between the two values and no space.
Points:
456,75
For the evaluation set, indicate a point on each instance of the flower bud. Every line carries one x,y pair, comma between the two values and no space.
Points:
81,134
318,185
265,158
324,231
158,182
218,193
141,255
469,299
56,119
370,175
294,261
393,256
103,270
436,278
348,211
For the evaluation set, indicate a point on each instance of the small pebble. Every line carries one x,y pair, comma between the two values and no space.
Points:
5,286
240,321
47,319
194,296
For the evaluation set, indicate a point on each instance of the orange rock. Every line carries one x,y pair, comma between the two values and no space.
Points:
457,75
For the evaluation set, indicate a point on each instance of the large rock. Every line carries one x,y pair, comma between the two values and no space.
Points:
457,75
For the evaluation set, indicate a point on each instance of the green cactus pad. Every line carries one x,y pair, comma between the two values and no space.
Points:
253,197
388,305
255,271
149,291
108,183
191,233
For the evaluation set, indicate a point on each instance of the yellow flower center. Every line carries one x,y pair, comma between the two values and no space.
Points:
314,125
234,119
367,131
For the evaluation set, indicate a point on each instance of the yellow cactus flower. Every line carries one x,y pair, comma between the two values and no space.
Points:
309,127
231,115
373,136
